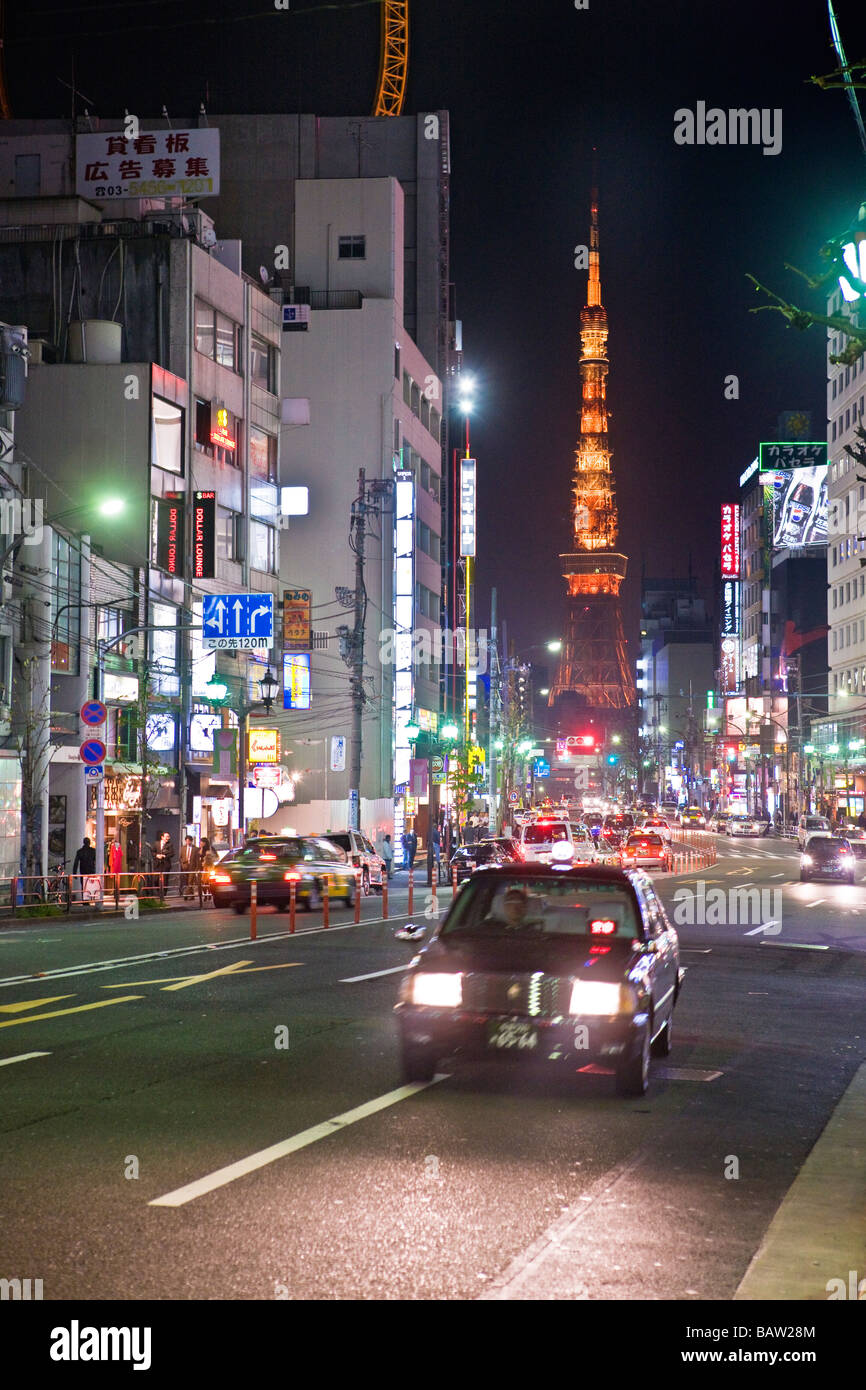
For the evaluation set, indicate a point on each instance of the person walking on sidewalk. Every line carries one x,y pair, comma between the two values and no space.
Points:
189,863
84,863
388,855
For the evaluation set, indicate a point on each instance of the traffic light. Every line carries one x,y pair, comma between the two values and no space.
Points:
731,753
613,759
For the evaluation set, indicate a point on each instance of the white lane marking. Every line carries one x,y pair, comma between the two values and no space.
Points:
795,945
755,931
697,950
22,1057
817,902
120,962
685,1074
776,875
375,975
223,1176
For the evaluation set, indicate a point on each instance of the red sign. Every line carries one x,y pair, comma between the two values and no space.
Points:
731,540
219,432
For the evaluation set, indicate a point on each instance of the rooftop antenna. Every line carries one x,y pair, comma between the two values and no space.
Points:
202,114
166,117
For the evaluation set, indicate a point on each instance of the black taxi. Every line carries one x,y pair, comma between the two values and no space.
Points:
576,966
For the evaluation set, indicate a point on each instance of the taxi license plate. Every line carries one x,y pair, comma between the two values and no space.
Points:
508,1033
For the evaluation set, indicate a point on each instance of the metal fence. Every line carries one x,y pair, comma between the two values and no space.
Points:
77,892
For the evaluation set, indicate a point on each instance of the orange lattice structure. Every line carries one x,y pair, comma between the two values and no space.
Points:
593,668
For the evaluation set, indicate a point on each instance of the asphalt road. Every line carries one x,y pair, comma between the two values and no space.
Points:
187,1114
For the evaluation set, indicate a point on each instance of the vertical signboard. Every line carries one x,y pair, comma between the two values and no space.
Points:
467,507
204,535
297,620
296,680
169,535
730,540
404,617
730,608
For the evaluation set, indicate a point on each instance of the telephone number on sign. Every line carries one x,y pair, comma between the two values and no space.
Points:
144,188
234,644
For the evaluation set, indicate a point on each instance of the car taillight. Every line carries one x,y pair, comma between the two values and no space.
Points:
291,876
263,855
602,926
221,878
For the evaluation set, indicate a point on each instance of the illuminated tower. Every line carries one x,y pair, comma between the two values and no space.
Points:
593,669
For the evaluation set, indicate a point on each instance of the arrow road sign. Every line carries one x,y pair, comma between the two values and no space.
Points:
92,752
238,621
94,713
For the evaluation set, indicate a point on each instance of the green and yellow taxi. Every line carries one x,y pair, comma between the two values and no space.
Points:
275,863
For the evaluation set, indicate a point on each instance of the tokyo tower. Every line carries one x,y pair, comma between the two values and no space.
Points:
593,669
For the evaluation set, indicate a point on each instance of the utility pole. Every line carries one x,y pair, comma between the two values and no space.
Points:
359,535
492,720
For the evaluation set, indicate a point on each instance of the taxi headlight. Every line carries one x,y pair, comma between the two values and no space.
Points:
436,991
806,859
601,998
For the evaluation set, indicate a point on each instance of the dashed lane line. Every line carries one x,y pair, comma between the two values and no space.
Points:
375,975
22,1057
796,945
223,1176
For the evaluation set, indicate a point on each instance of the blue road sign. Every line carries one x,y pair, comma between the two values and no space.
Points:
92,751
236,621
94,713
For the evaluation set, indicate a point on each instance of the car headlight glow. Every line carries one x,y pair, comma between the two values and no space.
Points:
806,859
437,991
601,998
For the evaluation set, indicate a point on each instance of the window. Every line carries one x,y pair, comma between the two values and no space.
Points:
67,596
166,440
352,248
263,364
217,336
834,598
263,547
206,422
202,425
263,454
228,537
109,624
397,361
163,649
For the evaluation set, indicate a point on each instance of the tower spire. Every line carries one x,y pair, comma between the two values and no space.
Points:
593,294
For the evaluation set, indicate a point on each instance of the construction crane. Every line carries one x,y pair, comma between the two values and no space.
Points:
393,58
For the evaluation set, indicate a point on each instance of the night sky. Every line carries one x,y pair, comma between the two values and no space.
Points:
531,88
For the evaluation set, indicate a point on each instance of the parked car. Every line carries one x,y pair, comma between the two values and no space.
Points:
482,854
537,963
646,849
360,853
827,856
811,825
274,863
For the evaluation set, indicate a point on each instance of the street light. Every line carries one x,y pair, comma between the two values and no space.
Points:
269,686
450,731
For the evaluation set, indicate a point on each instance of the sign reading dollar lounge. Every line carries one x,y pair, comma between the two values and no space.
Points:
204,535
151,164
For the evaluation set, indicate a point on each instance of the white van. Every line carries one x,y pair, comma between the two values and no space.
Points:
537,838
811,825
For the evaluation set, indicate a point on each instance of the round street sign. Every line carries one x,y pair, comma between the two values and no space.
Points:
92,752
513,796
94,713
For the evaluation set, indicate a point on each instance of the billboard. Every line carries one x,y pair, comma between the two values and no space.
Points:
204,535
730,608
799,507
730,540
151,164
297,620
786,457
296,680
168,550
467,507
730,664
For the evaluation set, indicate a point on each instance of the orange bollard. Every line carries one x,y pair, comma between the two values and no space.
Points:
384,897
293,903
326,903
454,880
411,903
358,890
254,901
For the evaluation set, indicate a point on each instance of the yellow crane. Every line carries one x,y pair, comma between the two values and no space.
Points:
393,58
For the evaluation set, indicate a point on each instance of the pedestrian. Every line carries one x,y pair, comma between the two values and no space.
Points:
388,855
164,857
145,876
189,863
115,861
84,862
436,841
413,848
405,841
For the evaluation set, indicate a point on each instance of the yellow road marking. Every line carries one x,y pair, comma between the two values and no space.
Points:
32,1003
78,1009
180,980
211,975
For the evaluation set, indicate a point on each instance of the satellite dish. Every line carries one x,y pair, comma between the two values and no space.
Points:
264,275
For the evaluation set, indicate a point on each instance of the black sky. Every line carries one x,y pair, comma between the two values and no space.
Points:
531,88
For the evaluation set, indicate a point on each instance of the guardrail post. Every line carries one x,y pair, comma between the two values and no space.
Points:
326,902
200,876
454,879
13,889
411,903
358,890
254,904
385,897
293,905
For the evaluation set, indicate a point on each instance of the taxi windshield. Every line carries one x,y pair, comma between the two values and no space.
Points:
549,907
545,832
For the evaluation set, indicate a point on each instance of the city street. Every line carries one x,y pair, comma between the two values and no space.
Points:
188,1114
